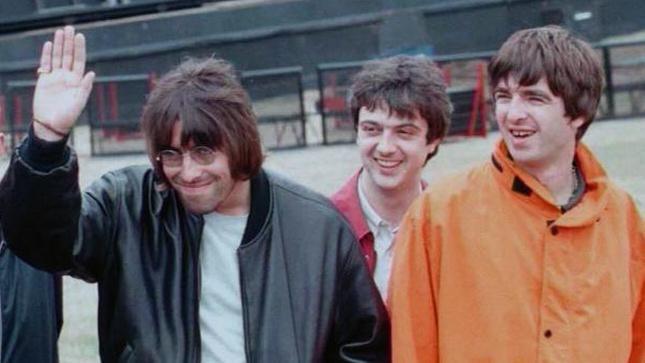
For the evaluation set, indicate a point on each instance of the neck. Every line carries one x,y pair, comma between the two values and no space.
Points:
238,201
558,178
390,204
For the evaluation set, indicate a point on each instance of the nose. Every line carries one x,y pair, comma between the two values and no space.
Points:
516,110
190,170
386,143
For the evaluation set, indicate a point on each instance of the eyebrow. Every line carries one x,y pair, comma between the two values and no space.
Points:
500,88
524,91
376,123
407,124
535,92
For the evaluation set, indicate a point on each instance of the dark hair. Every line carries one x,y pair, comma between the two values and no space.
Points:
404,85
569,64
215,111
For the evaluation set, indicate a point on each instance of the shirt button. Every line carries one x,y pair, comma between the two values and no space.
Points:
554,230
547,333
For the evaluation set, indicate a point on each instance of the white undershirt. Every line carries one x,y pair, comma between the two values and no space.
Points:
383,243
220,306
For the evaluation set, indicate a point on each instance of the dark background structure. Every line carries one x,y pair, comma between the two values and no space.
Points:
141,39
139,36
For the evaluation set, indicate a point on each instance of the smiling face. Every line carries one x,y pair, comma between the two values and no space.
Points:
533,124
393,149
206,188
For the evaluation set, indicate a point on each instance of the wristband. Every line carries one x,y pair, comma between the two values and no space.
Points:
50,128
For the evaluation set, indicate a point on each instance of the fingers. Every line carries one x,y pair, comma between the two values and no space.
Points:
79,55
46,58
86,86
67,52
57,52
69,42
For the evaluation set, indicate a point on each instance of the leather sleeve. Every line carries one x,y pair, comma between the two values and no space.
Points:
49,224
362,324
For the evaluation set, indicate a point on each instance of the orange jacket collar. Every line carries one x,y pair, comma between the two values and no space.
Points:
530,190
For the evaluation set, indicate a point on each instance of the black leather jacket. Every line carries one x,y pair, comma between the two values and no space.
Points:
307,295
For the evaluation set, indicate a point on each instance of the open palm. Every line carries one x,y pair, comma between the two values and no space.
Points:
62,89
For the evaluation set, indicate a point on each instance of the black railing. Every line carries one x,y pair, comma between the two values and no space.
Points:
466,91
278,101
334,80
113,113
16,103
18,99
624,65
287,111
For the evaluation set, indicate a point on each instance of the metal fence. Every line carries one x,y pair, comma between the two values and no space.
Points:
113,114
289,115
277,98
16,104
464,76
624,64
334,80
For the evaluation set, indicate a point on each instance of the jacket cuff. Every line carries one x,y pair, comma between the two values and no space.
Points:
43,155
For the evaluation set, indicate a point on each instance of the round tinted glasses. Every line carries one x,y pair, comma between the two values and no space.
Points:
202,155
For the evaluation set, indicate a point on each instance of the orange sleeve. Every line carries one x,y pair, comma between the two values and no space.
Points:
638,344
411,298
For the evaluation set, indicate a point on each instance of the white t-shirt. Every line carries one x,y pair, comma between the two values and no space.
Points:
220,307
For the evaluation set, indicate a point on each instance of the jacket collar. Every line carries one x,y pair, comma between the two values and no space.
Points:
260,202
260,206
348,203
530,190
160,193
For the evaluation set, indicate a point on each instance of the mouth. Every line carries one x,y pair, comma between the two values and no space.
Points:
387,164
521,134
192,188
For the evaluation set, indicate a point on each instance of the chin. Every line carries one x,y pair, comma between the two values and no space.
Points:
388,185
197,207
200,210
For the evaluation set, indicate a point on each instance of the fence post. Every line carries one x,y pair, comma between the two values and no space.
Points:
321,104
303,116
609,84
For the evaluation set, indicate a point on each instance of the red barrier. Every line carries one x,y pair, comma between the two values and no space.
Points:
478,112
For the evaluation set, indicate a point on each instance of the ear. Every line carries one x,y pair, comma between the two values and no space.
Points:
577,122
432,146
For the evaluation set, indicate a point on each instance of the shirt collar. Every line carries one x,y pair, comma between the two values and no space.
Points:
372,218
374,221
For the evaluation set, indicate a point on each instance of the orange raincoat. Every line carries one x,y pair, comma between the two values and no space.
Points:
488,269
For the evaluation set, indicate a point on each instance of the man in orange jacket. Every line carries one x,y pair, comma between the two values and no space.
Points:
534,256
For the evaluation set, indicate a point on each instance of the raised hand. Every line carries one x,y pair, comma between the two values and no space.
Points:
63,87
